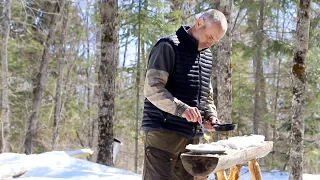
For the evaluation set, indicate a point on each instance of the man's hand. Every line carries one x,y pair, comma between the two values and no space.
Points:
209,124
192,114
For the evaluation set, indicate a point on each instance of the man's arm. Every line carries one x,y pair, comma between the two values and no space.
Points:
160,66
210,108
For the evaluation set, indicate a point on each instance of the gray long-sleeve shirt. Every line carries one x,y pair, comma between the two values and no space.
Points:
160,66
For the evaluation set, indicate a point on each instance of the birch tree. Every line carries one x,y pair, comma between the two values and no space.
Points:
5,122
299,87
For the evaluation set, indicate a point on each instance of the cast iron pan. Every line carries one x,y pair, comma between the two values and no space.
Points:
225,127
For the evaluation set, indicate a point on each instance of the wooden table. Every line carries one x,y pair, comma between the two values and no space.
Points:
201,165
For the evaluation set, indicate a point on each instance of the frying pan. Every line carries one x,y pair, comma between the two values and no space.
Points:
225,127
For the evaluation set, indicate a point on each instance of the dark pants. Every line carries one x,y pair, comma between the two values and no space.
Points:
162,156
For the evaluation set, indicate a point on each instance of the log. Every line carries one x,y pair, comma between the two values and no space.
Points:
204,164
254,170
235,172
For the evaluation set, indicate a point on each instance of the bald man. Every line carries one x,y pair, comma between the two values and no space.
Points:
178,95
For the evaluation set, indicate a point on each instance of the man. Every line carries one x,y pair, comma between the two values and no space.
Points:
178,95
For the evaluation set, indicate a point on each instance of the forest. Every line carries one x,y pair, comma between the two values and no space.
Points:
73,71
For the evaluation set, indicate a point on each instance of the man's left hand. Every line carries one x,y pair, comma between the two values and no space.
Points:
209,123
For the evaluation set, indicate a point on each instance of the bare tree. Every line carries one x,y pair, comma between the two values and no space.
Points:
223,69
59,86
138,91
107,76
40,80
259,96
5,123
299,85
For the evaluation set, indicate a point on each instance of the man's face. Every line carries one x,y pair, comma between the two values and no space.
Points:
208,33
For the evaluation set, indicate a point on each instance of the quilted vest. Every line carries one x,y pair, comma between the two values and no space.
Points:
189,82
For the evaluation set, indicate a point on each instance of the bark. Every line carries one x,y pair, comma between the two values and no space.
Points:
40,81
259,114
299,87
59,86
5,113
107,75
137,92
224,58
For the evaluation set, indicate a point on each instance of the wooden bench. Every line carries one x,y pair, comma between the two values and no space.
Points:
201,166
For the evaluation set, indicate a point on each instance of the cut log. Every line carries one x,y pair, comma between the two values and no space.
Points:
204,164
254,169
235,172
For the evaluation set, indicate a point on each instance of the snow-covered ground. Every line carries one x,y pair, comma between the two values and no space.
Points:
61,166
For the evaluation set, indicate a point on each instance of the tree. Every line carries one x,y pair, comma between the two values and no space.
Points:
259,97
40,80
5,122
59,85
299,87
107,76
224,52
138,91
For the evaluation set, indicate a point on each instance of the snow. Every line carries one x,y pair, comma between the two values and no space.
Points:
273,175
59,165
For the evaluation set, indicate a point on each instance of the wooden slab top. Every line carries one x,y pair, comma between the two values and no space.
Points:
204,164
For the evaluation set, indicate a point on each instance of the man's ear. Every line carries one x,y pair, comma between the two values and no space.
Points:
199,23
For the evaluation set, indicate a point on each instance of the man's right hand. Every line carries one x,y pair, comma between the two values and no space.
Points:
192,114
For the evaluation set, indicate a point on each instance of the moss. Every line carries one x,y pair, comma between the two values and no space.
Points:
298,70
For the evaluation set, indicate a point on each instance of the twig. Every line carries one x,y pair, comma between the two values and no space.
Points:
79,139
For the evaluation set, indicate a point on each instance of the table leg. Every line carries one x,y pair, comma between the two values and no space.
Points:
235,172
221,175
254,169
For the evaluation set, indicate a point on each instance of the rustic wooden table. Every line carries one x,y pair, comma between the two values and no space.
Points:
201,165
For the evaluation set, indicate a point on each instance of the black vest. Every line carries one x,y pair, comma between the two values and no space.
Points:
189,82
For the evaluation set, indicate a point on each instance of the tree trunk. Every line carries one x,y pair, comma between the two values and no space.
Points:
5,113
137,92
224,58
90,78
125,48
258,114
107,76
299,84
62,63
40,81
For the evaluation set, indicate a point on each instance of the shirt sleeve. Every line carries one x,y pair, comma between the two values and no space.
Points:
160,65
210,108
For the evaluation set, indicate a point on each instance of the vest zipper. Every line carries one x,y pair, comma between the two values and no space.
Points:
199,91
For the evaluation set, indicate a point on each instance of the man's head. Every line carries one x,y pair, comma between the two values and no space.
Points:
209,28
